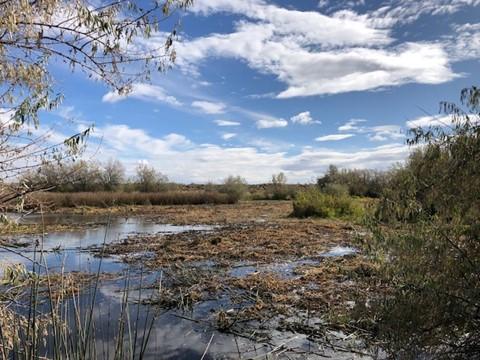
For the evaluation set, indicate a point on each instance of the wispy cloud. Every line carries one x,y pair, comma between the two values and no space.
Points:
209,107
142,91
374,133
351,125
426,121
228,136
385,132
226,122
334,137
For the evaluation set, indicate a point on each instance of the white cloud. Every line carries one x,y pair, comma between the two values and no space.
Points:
271,123
255,163
226,123
408,11
380,157
465,43
429,120
334,137
270,146
374,133
309,27
322,3
385,132
142,91
304,118
315,54
228,136
351,125
209,107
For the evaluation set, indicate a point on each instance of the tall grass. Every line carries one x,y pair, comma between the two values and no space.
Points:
47,315
107,199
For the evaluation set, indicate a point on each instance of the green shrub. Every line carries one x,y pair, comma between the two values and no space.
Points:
336,189
427,244
235,187
279,189
369,183
313,202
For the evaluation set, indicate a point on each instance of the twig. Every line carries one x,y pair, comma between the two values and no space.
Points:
208,345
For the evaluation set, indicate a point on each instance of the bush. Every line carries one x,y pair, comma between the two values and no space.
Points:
235,187
149,180
336,189
279,189
369,183
313,202
427,244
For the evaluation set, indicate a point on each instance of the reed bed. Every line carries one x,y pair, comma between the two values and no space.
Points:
45,315
108,199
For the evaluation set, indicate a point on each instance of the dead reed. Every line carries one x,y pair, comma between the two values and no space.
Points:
108,199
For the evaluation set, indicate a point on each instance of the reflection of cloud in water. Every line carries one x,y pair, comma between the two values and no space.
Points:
64,249
171,337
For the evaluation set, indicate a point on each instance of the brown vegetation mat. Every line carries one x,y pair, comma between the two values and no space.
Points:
264,242
244,211
201,266
31,229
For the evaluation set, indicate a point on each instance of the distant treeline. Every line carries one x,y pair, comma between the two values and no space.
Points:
83,176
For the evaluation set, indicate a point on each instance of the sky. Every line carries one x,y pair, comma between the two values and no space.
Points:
263,86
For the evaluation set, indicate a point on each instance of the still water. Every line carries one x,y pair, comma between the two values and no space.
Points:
174,334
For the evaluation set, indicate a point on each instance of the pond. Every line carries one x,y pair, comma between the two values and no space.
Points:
174,334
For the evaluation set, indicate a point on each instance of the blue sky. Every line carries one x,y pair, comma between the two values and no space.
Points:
264,86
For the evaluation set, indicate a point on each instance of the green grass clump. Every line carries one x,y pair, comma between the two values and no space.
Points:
313,202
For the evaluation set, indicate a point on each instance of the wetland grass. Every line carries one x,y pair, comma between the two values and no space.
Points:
109,199
46,315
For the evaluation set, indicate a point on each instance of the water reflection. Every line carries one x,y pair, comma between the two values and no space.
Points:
67,250
171,336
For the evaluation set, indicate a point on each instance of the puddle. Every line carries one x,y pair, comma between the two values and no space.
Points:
282,269
340,251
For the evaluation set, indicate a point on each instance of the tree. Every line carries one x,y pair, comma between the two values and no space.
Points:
235,187
279,188
149,180
427,243
112,175
102,41
358,182
64,177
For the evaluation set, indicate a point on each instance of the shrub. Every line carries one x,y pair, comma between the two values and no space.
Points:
426,241
279,187
235,187
313,202
368,183
150,180
333,189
